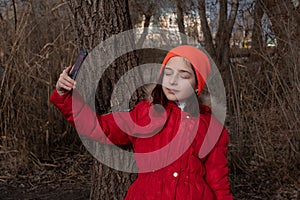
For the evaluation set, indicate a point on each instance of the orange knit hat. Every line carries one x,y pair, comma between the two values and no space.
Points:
196,57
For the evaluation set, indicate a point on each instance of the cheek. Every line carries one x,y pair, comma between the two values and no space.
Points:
164,81
189,85
163,84
193,84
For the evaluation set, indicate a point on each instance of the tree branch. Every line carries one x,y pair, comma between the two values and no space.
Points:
15,14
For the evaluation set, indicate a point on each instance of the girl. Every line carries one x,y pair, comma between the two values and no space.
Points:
171,136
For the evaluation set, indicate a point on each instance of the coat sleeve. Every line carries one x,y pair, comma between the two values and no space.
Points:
216,165
103,129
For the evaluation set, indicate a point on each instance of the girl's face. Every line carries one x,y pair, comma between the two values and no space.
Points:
179,80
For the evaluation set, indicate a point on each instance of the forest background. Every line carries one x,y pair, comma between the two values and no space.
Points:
254,43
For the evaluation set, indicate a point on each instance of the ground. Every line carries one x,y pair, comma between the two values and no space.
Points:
68,177
46,192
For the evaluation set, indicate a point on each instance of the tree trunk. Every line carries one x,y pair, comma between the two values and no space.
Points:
180,21
209,43
257,35
224,32
219,49
221,36
285,19
95,21
145,31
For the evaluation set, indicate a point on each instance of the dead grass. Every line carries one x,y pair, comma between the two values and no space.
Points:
37,146
33,56
264,126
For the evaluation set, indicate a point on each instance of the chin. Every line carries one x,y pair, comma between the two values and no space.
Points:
171,97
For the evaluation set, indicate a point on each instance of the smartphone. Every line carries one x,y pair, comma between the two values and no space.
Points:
80,58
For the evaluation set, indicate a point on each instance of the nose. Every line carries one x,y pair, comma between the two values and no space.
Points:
173,79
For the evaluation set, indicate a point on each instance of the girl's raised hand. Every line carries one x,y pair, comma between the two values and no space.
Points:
64,82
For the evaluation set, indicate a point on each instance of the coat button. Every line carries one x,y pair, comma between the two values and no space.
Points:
188,116
175,174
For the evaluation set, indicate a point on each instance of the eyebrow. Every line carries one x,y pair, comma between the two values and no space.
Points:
180,71
185,71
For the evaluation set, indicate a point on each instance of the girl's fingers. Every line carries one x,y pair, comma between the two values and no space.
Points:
68,69
66,72
65,85
65,76
65,82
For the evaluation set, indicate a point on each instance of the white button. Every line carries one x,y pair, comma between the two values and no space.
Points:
175,174
188,116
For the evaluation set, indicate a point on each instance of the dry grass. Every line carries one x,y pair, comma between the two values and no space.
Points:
263,118
33,55
264,122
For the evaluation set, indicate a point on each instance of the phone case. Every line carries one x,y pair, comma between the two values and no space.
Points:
82,55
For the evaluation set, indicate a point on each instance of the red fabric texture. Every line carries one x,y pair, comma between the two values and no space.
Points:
196,57
186,178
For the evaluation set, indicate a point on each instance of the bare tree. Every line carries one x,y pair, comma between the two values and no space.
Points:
209,44
257,34
144,10
285,20
95,21
218,47
180,19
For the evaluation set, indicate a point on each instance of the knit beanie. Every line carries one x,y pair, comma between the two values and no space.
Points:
196,57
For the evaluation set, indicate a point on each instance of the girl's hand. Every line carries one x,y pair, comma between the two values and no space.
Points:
65,82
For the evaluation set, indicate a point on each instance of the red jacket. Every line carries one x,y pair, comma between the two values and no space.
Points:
176,174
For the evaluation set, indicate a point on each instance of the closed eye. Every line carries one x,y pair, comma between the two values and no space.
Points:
185,74
168,72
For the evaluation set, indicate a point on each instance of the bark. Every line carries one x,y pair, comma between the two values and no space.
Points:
15,14
209,44
224,32
230,23
145,31
257,35
95,21
220,49
180,21
146,8
221,36
285,19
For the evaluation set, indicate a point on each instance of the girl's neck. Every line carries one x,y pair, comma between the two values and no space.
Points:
181,105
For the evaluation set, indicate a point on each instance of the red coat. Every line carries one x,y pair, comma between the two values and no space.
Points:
187,177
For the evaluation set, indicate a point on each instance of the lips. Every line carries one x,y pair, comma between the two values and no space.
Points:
171,91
